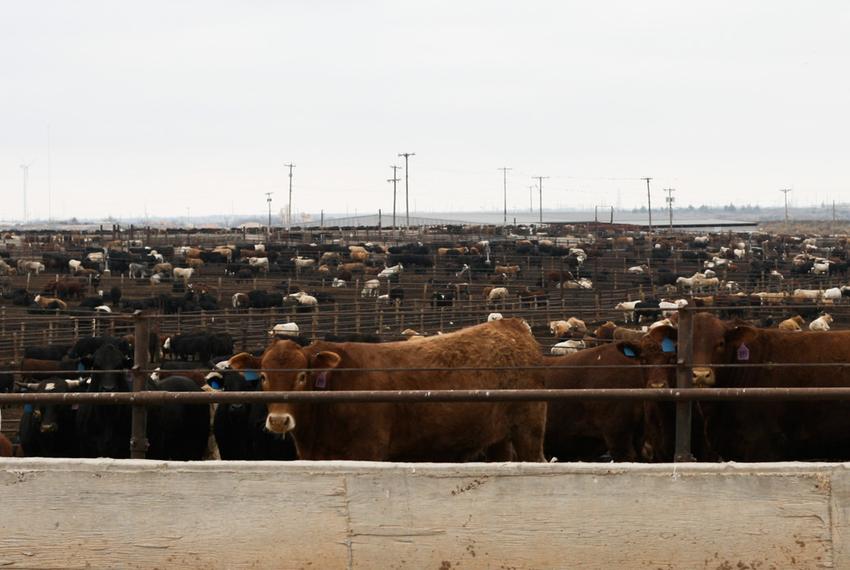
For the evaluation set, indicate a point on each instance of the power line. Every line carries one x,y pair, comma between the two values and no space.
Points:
406,155
394,180
504,170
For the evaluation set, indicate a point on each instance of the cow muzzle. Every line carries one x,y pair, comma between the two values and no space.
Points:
280,423
703,377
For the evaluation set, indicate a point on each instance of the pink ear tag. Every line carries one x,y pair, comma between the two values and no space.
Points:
321,380
743,352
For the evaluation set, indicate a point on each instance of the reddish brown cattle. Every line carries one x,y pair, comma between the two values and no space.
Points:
415,431
67,288
6,449
34,368
767,431
627,430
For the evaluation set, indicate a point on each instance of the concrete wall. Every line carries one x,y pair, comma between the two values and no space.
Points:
107,514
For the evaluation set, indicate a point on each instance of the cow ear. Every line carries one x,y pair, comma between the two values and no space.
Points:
326,359
740,334
629,349
658,334
245,361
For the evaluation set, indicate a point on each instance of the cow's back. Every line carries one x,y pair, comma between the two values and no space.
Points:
434,431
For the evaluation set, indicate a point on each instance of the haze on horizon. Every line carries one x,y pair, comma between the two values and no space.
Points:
160,107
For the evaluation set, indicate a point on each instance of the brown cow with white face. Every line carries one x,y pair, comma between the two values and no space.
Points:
409,431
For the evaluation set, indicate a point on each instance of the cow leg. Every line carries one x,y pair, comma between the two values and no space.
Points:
527,434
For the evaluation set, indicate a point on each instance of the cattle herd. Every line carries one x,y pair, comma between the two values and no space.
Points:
448,308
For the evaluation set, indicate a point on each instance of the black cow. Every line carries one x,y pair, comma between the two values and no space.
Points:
52,352
442,299
240,428
177,431
200,345
49,430
263,299
648,310
21,297
104,431
87,346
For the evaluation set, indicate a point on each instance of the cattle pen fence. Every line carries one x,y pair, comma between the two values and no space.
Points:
683,394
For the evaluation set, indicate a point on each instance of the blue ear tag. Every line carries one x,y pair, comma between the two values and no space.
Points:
629,351
743,352
667,345
321,380
81,367
27,408
215,385
251,376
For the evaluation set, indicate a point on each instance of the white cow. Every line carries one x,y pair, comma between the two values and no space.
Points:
628,308
260,262
300,262
283,330
337,282
821,323
370,288
497,294
494,317
184,273
388,271
568,347
813,294
832,294
74,265
305,299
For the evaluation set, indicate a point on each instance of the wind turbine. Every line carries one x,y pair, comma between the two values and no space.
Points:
25,171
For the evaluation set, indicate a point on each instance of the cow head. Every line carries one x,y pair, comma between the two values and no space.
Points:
717,342
47,416
282,369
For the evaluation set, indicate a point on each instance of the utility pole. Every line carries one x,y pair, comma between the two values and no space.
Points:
648,202
785,191
540,187
670,199
289,206
269,200
394,180
406,155
531,199
504,170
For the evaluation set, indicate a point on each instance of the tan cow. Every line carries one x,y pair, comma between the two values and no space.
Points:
795,323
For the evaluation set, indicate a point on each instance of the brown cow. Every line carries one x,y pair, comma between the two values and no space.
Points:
414,431
795,323
627,430
67,288
774,430
507,270
34,368
6,449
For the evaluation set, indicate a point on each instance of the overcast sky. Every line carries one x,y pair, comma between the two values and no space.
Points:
169,105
